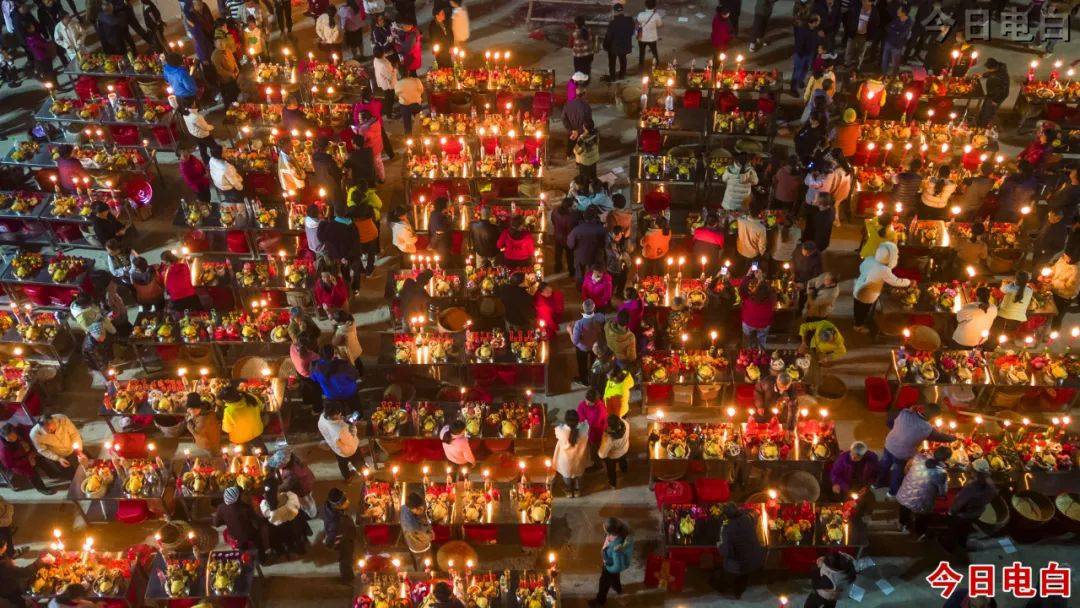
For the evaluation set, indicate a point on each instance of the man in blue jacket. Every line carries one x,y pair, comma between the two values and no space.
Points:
896,36
806,43
336,377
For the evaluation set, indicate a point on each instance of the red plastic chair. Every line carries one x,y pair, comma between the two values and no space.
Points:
907,397
485,534
532,535
878,394
440,101
37,294
236,242
673,493
377,535
712,489
692,99
649,141
86,88
132,511
123,88
658,392
657,201
727,102
441,534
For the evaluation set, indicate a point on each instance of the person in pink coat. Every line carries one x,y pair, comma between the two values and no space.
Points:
549,309
593,410
597,287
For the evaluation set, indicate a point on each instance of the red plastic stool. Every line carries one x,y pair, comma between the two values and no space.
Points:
673,493
130,445
878,394
649,141
907,397
532,535
132,511
236,242
653,565
692,99
711,489
541,105
483,533
377,535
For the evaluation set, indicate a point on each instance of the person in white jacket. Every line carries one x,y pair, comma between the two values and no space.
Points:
402,234
571,451
1064,283
386,77
614,444
59,442
224,175
974,320
874,273
329,30
373,8
70,35
753,238
740,178
288,531
340,435
200,130
459,22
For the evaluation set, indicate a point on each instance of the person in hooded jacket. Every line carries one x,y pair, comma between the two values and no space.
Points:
740,178
616,555
874,274
829,581
288,528
741,551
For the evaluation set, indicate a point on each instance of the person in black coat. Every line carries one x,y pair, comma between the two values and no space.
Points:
563,220
969,504
325,172
341,242
155,25
520,311
618,42
439,33
587,241
360,163
996,90
741,551
484,236
809,139
413,297
340,531
242,522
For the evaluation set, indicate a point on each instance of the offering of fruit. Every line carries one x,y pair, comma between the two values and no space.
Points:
178,576
534,505
439,499
378,502
143,479
24,150
388,418
253,274
476,506
296,274
27,264
99,476
224,572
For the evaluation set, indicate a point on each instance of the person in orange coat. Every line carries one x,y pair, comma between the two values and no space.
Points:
848,134
549,309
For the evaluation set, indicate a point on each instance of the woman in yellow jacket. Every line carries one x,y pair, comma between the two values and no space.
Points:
242,418
823,339
617,392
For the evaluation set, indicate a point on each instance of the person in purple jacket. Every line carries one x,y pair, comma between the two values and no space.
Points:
853,469
909,429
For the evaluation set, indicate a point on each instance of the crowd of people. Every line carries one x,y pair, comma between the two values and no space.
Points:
601,240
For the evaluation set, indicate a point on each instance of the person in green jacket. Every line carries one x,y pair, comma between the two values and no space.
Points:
616,553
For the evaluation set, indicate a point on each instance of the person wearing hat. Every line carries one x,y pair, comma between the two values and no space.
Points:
340,532
577,79
242,523
618,41
775,392
97,348
203,424
823,339
296,477
848,133
910,428
741,550
968,505
242,417
854,469
925,481
416,528
287,529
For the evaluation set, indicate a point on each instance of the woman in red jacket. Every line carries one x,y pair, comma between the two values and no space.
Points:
178,286
549,309
331,293
195,175
517,244
758,309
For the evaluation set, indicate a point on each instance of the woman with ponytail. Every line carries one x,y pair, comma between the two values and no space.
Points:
571,451
456,444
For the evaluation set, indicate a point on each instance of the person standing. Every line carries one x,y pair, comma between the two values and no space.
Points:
614,445
241,416
741,551
459,23
203,424
581,45
649,22
571,455
287,530
340,532
1064,283
585,333
618,42
341,436
616,555
763,10
995,90
564,217
896,36
874,273
586,241
440,38
739,178
924,483
806,43
758,309
242,523
416,528
201,131
329,31
351,18
577,117
910,429
410,94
